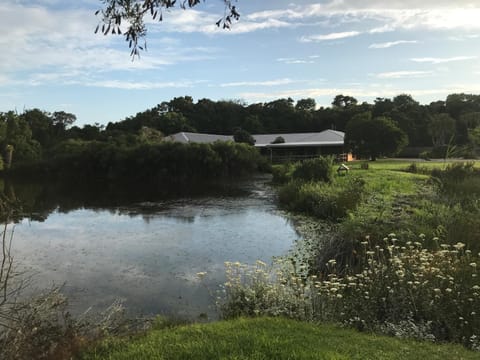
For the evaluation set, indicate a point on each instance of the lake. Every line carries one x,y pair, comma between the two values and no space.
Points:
146,249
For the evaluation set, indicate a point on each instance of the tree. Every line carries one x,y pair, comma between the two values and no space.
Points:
134,12
374,137
341,101
18,138
474,137
308,104
278,140
243,136
441,128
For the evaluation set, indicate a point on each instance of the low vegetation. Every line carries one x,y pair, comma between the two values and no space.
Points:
420,282
268,338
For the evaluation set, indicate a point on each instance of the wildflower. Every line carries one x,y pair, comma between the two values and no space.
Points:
339,296
261,263
459,245
448,290
474,265
476,287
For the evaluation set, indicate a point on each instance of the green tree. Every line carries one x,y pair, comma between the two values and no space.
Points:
41,125
474,136
308,104
374,137
18,138
243,136
173,122
441,128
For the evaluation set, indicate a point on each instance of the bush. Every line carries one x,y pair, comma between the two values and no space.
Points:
282,173
324,201
318,169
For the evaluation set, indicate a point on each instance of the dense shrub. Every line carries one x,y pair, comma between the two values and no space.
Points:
324,201
282,173
318,169
165,162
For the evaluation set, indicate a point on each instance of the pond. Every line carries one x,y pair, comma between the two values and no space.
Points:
147,252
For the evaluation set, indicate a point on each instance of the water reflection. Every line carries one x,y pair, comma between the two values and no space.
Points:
146,248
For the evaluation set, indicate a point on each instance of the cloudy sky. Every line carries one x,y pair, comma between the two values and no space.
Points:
51,59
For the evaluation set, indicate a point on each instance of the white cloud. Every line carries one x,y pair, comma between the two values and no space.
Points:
295,61
362,93
331,36
276,82
386,45
403,74
60,45
391,15
146,85
432,60
195,21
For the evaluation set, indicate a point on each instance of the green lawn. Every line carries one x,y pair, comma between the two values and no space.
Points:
266,338
402,164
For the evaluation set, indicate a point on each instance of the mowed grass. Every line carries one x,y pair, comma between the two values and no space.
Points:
402,164
269,338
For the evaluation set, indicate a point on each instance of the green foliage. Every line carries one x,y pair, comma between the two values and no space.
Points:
322,200
268,338
317,169
278,140
374,137
150,163
243,136
282,173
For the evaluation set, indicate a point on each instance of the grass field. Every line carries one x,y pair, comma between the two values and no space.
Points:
267,338
402,164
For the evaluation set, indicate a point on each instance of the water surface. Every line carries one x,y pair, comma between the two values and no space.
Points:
147,253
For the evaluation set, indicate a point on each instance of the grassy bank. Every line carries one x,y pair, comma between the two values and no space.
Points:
401,255
267,338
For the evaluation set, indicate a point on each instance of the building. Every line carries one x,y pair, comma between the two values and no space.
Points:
282,147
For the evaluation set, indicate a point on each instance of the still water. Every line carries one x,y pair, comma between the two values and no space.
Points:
147,253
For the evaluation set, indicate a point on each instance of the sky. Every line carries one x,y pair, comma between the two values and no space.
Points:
52,60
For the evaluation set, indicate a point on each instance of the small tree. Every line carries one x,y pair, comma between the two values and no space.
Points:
243,136
374,137
278,140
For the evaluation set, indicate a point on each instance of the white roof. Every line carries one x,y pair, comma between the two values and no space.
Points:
323,138
187,137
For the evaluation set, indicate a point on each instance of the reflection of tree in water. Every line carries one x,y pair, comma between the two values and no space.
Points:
38,200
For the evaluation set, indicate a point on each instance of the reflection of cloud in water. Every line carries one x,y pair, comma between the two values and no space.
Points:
152,265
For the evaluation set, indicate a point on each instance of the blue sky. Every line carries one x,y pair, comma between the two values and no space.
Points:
52,60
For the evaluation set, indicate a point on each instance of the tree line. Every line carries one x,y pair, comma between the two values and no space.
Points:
36,135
